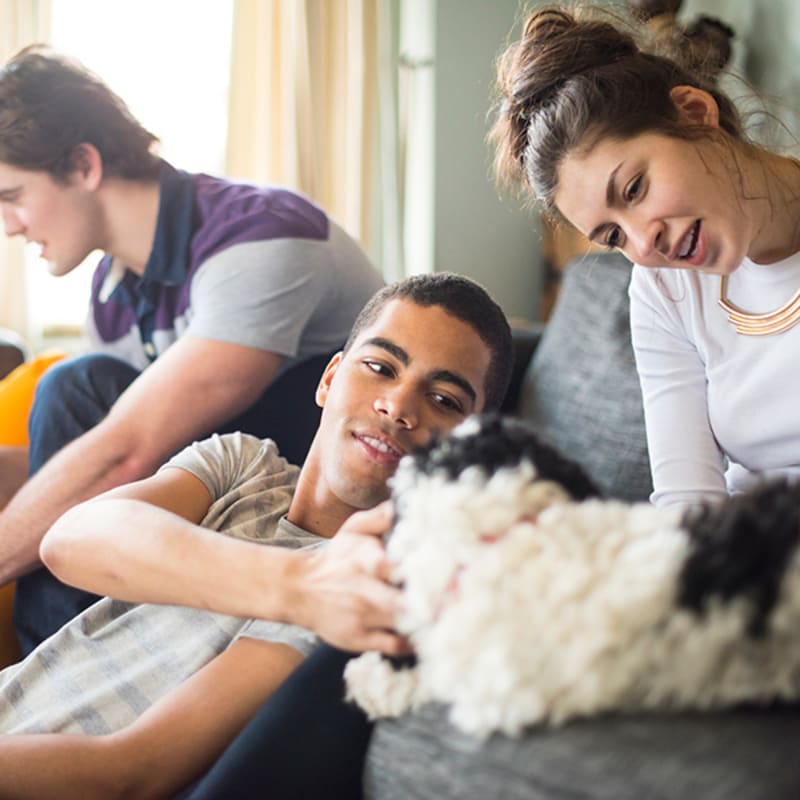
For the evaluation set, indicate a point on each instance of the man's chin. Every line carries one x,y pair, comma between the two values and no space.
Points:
59,270
363,500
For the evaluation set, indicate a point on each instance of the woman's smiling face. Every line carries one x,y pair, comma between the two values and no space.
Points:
662,201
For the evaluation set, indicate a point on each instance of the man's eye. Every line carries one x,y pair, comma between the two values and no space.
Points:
448,403
378,368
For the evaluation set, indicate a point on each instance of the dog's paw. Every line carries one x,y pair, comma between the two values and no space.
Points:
378,687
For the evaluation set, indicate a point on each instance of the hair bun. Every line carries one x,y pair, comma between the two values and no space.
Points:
555,46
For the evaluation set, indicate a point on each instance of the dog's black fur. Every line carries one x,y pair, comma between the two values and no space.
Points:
741,548
503,442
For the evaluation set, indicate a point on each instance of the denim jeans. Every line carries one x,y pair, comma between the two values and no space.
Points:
305,743
75,395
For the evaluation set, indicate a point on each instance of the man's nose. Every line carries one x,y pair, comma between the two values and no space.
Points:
11,222
398,405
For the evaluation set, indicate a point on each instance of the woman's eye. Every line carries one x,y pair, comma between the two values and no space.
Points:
634,188
613,239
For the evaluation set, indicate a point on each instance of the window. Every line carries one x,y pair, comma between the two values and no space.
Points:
169,61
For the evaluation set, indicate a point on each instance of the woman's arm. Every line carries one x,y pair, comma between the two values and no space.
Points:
685,460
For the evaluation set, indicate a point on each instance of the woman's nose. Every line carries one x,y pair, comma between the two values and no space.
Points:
645,240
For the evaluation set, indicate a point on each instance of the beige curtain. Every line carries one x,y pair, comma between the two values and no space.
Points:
22,22
307,84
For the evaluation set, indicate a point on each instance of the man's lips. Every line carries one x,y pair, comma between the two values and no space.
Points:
41,245
380,448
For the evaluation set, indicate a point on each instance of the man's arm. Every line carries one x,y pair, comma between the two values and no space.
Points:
172,743
13,472
141,543
196,385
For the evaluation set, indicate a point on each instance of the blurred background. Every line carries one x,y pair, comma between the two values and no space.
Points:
377,109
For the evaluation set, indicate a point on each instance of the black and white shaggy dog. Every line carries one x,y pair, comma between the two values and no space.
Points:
526,602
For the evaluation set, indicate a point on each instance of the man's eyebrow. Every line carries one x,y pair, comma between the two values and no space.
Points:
10,193
401,355
390,347
610,192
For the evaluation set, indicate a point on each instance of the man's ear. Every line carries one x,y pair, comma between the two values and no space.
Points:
324,385
87,165
695,106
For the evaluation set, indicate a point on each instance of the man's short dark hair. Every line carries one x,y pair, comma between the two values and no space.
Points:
50,104
467,301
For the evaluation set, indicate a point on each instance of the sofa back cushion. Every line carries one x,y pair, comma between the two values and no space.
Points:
581,390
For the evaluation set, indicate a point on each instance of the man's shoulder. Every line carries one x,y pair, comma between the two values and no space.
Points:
229,213
234,458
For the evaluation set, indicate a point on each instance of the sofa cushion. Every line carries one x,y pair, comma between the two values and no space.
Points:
581,390
746,754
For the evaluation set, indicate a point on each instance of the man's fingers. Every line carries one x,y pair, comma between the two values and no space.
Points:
375,521
388,643
385,602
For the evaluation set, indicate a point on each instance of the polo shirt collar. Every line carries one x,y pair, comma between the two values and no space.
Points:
169,258
168,263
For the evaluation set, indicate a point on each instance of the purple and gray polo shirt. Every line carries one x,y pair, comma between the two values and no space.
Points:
258,266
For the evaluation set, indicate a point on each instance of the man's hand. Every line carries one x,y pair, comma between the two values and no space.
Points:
345,596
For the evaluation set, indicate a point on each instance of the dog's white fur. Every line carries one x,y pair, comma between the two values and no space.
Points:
525,608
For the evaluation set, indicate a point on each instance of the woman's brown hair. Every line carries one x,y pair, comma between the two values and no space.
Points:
572,79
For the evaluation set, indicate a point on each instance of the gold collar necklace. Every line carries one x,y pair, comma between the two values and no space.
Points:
749,324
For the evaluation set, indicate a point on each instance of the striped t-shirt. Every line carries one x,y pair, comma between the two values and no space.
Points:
108,665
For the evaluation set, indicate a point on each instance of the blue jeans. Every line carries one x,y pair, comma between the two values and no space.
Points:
305,743
74,395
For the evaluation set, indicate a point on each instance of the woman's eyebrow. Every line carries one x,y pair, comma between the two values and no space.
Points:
612,178
610,200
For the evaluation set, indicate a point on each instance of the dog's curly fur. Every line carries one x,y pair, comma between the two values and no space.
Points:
529,600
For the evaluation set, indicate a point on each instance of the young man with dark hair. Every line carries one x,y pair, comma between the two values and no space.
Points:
214,308
151,694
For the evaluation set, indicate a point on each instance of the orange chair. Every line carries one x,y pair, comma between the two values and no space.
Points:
16,398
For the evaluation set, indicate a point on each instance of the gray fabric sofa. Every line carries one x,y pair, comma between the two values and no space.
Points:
580,389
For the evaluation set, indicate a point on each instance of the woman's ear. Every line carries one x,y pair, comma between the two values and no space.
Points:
324,385
695,106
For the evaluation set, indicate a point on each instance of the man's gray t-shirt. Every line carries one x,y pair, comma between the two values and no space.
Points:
108,665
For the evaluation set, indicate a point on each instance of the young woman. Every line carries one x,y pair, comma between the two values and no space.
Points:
643,157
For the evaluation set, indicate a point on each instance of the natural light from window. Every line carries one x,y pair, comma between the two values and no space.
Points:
169,60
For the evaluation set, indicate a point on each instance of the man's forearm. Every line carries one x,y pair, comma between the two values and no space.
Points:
139,552
36,767
153,756
83,469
